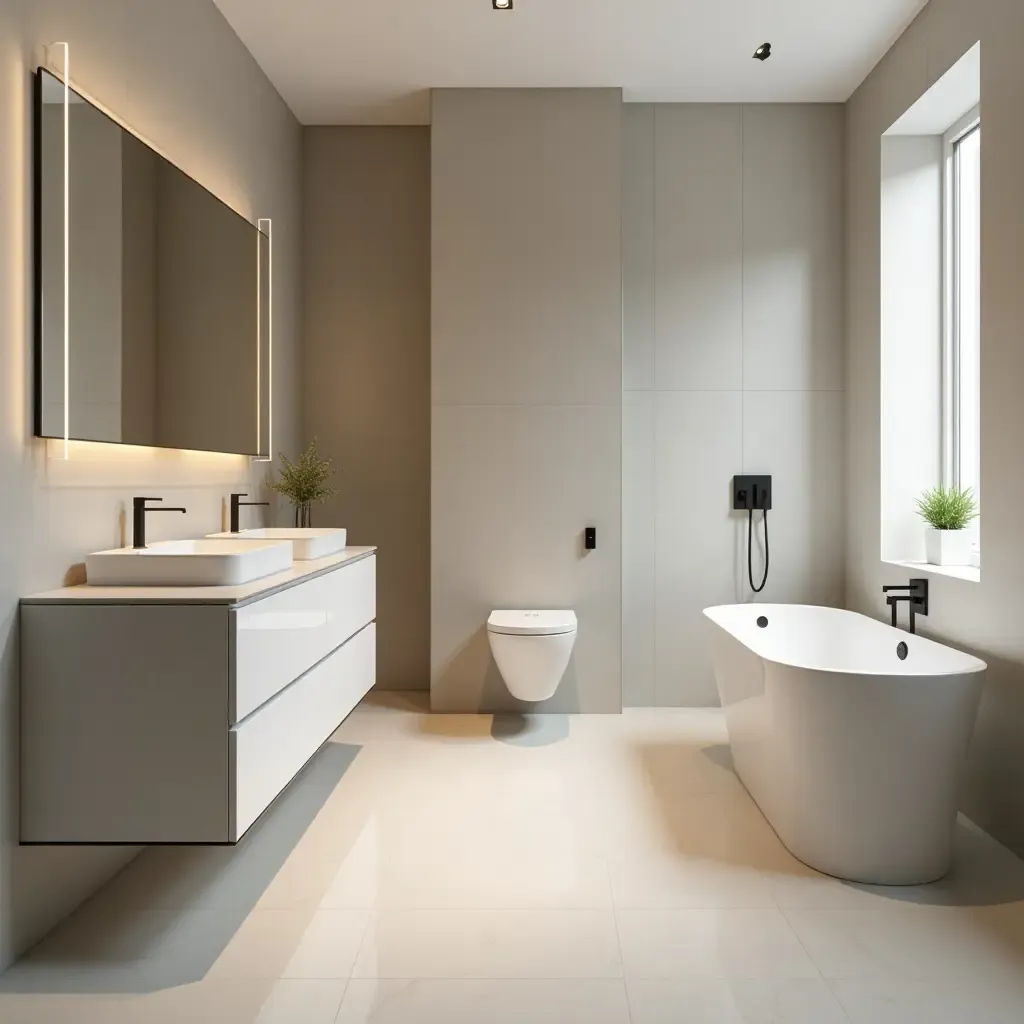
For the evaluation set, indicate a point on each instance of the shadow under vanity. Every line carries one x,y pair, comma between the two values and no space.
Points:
177,714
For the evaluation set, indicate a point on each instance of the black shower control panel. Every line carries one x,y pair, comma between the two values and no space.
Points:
752,492
590,538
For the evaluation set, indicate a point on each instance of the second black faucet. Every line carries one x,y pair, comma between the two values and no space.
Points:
236,502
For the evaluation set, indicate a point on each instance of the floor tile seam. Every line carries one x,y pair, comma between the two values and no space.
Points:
699,908
506,980
472,908
831,983
518,978
696,976
580,977
344,993
803,945
622,957
484,908
362,942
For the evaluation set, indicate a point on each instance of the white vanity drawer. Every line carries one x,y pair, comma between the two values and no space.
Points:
269,748
280,637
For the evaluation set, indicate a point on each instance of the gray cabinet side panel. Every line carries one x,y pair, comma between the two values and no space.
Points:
124,724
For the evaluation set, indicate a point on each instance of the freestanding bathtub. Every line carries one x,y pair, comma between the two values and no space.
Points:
851,744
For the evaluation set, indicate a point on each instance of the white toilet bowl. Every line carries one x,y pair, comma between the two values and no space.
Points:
532,650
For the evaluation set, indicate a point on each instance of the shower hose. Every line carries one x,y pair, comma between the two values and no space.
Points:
750,551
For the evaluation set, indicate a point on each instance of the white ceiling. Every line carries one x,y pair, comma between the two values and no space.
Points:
374,61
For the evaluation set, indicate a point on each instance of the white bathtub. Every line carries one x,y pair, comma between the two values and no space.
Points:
853,755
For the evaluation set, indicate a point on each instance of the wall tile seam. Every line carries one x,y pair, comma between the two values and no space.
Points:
527,405
653,262
652,588
622,379
743,283
734,391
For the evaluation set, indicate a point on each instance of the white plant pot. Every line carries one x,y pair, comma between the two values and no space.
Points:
947,547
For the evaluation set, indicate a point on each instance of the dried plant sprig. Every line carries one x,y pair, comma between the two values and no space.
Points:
307,480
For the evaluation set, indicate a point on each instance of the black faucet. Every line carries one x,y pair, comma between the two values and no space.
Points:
139,510
236,502
916,598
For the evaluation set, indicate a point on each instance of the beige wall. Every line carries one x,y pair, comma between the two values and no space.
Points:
367,365
982,617
733,332
526,382
174,70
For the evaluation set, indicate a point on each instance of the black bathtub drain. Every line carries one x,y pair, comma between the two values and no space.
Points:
902,651
762,621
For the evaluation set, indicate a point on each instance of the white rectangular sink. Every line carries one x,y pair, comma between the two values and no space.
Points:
307,542
188,563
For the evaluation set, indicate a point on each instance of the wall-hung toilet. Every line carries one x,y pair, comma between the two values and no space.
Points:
532,650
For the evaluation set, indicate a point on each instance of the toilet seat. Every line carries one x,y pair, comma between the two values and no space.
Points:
532,623
532,650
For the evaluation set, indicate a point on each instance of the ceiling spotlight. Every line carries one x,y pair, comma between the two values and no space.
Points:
502,5
763,52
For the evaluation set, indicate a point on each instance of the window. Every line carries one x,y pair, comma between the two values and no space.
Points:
961,407
930,306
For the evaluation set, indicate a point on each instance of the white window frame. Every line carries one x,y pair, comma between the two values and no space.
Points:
950,455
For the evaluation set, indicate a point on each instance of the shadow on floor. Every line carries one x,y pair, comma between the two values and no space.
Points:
455,727
984,874
420,721
165,919
731,828
417,701
520,730
721,755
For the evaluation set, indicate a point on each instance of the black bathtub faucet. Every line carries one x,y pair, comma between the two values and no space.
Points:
916,598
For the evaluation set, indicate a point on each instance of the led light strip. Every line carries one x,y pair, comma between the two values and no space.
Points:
67,249
259,342
269,457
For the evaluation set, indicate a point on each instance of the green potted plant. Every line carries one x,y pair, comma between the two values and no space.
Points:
305,482
948,511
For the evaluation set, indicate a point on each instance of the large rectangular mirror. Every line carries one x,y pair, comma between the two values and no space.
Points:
153,296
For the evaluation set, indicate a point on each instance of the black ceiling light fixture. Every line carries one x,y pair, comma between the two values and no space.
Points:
763,52
502,5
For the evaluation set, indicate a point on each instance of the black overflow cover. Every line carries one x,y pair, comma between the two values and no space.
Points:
901,651
762,621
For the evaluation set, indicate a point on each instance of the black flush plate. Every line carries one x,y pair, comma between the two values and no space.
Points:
752,492
590,538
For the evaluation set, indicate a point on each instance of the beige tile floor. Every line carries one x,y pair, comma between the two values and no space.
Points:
463,870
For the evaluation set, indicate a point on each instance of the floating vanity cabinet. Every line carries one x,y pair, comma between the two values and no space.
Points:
177,715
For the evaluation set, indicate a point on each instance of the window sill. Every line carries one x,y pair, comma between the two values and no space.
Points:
958,572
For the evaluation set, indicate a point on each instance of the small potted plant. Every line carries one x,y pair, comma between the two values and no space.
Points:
948,511
305,482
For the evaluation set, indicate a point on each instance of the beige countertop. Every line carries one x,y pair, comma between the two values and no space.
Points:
236,595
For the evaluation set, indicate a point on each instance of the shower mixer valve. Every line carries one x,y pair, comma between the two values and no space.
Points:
752,493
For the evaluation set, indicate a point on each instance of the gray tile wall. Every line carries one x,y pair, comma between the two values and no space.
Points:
733,282
527,382
367,365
